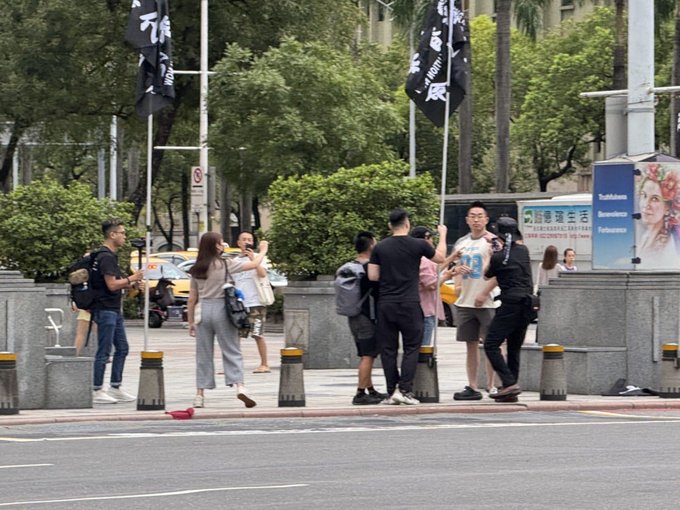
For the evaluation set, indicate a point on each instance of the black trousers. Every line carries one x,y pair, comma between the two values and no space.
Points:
510,323
407,319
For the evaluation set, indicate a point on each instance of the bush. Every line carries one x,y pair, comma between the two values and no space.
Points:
315,217
44,227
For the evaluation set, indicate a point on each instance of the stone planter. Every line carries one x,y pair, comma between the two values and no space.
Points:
310,322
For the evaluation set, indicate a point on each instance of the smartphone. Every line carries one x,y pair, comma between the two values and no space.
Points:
250,246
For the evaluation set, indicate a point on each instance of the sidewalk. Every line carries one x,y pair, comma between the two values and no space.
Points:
327,392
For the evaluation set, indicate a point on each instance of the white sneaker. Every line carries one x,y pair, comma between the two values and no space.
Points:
493,390
101,397
199,401
120,395
395,399
409,399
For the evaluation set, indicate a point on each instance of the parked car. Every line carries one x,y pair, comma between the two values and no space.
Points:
159,268
447,291
176,257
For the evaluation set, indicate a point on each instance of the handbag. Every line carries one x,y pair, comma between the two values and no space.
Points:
265,293
237,313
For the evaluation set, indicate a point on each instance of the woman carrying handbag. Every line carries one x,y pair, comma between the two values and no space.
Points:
207,296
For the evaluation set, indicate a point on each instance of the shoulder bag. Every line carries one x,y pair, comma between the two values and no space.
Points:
265,293
237,313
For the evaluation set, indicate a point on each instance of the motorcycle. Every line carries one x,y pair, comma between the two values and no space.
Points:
161,301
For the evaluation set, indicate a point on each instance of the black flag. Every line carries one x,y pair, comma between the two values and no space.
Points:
149,31
426,82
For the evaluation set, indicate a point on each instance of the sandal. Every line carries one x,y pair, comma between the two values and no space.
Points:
262,370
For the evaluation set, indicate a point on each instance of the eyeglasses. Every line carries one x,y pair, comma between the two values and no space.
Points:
120,232
476,216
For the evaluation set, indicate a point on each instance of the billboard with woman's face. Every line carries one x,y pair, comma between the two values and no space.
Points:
657,201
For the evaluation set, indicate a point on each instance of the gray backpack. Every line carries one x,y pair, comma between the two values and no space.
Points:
348,298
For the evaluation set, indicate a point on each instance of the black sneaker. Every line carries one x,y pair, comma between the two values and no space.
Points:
467,394
364,399
377,394
511,399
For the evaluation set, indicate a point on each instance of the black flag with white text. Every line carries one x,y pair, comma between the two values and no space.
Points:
426,82
149,31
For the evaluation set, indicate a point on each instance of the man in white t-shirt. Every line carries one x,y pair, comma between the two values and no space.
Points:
257,312
472,322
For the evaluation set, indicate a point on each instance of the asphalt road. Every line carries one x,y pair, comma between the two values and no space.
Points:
509,461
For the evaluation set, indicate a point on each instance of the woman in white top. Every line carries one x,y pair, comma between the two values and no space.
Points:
209,275
568,261
548,267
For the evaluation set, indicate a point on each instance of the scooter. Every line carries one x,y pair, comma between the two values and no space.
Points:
160,298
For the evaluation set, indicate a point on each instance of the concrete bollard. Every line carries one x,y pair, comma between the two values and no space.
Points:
553,375
151,394
426,382
9,388
669,387
291,382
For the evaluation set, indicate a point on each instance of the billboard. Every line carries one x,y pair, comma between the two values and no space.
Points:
657,204
613,227
564,222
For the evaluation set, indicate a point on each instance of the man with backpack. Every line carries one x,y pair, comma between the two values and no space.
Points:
108,282
395,264
356,297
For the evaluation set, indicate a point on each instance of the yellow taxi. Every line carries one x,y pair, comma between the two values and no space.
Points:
158,268
176,257
447,291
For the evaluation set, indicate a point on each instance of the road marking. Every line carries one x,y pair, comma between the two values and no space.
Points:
154,495
25,466
632,416
335,430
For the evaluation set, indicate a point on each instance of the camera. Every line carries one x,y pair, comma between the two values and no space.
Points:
249,246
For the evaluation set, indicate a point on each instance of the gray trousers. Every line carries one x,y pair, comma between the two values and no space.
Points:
214,323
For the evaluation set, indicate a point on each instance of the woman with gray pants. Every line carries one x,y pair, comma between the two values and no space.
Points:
209,275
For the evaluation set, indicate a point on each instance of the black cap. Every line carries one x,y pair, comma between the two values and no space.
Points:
506,225
420,232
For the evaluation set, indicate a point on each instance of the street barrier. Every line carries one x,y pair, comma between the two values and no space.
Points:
151,394
291,382
669,387
426,382
553,374
9,389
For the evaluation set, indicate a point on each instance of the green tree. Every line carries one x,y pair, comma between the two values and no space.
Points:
45,226
315,217
301,107
556,126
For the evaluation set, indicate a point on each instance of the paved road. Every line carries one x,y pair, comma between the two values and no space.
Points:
510,461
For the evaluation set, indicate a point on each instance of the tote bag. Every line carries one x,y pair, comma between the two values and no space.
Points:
264,289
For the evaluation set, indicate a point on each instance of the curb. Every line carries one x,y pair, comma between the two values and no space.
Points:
401,410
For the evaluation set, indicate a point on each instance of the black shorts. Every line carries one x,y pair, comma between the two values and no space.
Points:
363,331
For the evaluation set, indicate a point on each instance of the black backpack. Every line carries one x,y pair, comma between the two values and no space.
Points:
83,295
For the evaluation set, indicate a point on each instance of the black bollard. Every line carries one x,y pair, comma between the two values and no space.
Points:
426,382
553,374
9,389
291,382
669,386
151,394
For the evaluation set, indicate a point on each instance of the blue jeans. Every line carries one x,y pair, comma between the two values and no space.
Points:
110,332
430,322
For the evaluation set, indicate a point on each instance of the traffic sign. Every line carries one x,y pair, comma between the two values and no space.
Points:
197,177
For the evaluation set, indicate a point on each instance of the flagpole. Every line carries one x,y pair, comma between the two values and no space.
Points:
445,145
149,157
445,154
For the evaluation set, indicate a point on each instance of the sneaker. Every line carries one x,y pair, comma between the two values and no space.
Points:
242,395
511,399
409,399
101,397
507,391
120,395
365,399
395,399
493,391
377,394
199,401
468,393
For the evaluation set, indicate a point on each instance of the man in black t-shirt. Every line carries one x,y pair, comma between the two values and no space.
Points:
395,264
363,326
510,269
109,282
